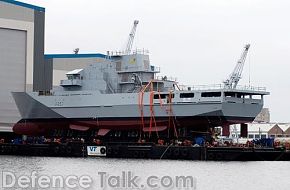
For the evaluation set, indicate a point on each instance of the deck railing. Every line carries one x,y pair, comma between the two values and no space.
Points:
221,86
151,68
166,78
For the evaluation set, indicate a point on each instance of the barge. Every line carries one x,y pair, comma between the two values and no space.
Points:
148,151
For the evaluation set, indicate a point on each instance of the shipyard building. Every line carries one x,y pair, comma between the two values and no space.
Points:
22,65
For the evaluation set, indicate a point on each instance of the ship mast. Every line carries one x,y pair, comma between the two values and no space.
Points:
236,75
131,38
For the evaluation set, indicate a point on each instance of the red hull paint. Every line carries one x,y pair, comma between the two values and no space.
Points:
42,127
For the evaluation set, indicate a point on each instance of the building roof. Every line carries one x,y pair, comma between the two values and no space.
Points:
73,72
51,56
260,126
287,131
284,126
26,5
276,129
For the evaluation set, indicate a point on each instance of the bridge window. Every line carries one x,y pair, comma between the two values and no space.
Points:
257,97
230,94
246,96
75,76
186,95
69,77
211,94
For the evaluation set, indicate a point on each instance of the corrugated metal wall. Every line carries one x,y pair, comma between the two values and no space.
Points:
18,24
12,71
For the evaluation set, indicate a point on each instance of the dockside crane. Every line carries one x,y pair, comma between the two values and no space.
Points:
236,75
131,37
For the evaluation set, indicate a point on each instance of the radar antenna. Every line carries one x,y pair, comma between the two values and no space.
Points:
76,50
236,75
131,37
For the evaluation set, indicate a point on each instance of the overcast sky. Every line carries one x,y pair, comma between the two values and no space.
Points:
197,41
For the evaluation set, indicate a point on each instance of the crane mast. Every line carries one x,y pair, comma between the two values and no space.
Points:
131,37
236,75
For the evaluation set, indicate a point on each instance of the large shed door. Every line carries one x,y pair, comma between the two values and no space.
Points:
12,72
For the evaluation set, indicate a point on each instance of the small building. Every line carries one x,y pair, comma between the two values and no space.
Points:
255,130
276,131
263,130
282,130
287,131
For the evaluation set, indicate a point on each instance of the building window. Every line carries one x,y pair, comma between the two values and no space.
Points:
251,136
257,136
272,136
263,136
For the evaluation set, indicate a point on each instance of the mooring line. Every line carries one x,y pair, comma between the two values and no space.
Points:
166,150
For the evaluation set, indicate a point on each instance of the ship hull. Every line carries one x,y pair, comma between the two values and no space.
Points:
40,119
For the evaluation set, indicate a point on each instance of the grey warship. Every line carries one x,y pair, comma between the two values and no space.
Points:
125,95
